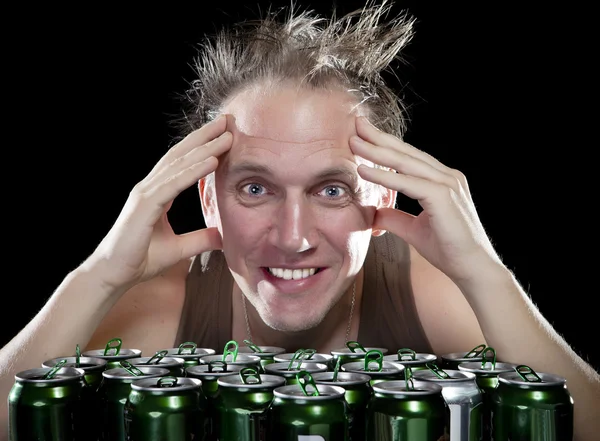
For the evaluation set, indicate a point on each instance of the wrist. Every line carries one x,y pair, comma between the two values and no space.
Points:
95,273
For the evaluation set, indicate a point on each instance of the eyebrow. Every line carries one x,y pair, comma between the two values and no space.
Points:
330,173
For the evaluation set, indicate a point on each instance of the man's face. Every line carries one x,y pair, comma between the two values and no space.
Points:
294,215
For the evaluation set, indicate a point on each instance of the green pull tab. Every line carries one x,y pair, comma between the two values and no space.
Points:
353,345
489,356
217,366
116,348
52,372
475,351
308,353
440,373
166,381
77,356
305,379
527,374
249,375
406,354
231,348
131,368
253,346
408,377
374,356
188,347
336,369
156,358
296,359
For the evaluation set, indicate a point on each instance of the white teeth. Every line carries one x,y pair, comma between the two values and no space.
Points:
288,274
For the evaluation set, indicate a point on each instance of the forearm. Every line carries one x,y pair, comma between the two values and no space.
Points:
515,328
67,319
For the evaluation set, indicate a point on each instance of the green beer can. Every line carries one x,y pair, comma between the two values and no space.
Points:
44,404
357,393
231,356
209,374
160,359
452,360
242,404
165,409
114,391
486,373
308,356
113,353
374,366
308,411
91,409
290,370
265,353
190,352
407,410
409,358
353,351
532,406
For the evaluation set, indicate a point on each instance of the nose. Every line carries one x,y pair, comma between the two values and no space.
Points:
293,227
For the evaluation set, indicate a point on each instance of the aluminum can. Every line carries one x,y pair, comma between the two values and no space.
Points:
353,351
242,404
309,412
463,397
160,359
357,393
452,360
399,411
44,404
190,352
113,353
231,356
374,366
265,353
91,409
529,405
308,356
114,391
209,374
486,373
165,408
409,358
290,370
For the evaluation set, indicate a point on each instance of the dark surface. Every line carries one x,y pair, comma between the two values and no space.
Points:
89,96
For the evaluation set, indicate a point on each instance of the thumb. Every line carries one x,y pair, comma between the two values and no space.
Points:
199,241
395,221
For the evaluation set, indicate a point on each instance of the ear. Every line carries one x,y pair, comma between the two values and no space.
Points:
208,199
387,200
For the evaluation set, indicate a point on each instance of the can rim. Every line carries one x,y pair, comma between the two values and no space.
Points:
476,368
294,391
267,351
421,358
315,358
201,370
63,374
282,368
267,381
199,352
548,380
349,378
149,384
398,387
123,354
348,351
165,361
94,363
387,367
456,376
149,372
240,359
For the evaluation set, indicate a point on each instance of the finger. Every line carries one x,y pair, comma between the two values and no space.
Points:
197,242
394,221
372,134
198,137
401,162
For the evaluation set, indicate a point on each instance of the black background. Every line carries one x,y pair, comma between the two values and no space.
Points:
90,96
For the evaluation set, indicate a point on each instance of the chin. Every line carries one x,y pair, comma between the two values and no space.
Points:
292,325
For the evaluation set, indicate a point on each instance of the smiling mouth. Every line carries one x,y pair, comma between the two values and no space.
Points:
295,274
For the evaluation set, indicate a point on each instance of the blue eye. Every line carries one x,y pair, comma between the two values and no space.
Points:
333,191
254,189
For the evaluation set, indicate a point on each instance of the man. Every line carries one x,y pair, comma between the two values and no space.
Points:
298,156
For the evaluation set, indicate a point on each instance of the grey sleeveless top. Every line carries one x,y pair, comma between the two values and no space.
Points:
388,316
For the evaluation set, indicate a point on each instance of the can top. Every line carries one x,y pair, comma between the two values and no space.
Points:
295,391
399,388
239,381
454,376
87,364
387,368
479,368
265,351
166,384
343,378
546,380
182,352
347,352
41,375
291,369
163,362
213,370
312,357
420,358
121,355
122,374
229,358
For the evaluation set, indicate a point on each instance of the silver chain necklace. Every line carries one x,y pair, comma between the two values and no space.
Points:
348,327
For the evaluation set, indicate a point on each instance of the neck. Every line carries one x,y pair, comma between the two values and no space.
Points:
332,333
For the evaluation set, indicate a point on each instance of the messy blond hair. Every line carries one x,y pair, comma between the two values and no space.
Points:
352,52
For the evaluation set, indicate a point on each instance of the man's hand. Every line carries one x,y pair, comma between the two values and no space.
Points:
141,243
448,231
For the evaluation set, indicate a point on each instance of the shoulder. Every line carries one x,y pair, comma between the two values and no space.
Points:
147,316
